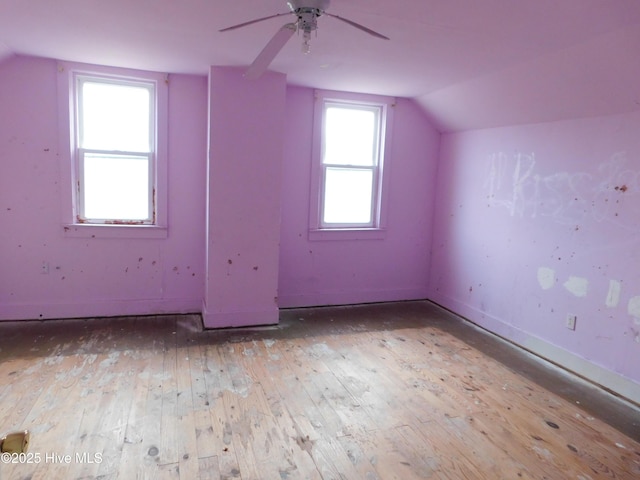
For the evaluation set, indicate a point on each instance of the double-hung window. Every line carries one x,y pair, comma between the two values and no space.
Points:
115,150
117,158
351,142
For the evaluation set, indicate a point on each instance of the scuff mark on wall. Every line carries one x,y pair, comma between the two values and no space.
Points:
577,285
613,296
546,277
634,309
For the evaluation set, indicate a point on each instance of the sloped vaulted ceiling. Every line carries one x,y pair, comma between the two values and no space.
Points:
469,63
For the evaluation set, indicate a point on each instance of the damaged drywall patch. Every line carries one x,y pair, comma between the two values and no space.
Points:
613,296
633,307
546,277
577,285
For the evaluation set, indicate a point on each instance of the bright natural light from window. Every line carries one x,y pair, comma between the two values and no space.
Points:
350,135
116,187
350,158
347,196
116,129
115,117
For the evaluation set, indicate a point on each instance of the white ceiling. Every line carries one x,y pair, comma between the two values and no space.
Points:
468,63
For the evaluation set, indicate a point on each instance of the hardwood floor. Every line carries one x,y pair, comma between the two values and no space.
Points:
404,391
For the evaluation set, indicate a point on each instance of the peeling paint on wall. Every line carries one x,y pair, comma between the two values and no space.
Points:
577,285
613,296
634,309
546,277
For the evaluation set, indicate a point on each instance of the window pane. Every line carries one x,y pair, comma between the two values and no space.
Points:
115,117
350,136
347,196
116,187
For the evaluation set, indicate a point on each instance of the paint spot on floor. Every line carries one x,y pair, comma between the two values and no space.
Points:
543,452
318,350
111,360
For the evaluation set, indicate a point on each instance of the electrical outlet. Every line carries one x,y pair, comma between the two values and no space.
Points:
44,269
570,321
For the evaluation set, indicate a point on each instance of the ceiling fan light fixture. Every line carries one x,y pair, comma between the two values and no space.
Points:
306,42
307,13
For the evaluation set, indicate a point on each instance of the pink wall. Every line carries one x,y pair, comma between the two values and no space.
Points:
537,222
531,223
92,276
326,272
105,276
246,131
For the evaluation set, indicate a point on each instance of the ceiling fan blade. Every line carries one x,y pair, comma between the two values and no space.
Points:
269,52
240,25
358,26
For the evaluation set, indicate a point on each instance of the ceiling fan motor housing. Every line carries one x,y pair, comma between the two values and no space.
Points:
320,5
307,12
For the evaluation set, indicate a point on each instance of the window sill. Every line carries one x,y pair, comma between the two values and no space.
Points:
80,230
347,234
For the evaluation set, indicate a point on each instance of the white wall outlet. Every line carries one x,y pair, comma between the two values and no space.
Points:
44,269
570,321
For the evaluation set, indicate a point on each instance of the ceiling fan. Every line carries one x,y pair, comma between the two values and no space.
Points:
307,13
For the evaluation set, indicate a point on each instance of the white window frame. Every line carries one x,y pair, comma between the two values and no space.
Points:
74,221
376,228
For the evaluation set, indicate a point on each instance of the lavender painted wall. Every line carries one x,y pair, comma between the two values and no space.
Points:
537,222
126,276
531,223
326,272
246,132
92,276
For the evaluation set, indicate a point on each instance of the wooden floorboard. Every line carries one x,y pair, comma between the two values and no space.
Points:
390,391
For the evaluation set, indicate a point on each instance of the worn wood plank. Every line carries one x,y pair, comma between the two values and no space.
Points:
383,391
287,431
186,421
141,448
218,382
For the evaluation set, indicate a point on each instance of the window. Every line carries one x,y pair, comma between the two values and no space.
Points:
117,131
115,123
351,139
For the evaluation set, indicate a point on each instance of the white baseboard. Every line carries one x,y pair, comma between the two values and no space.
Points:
608,379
